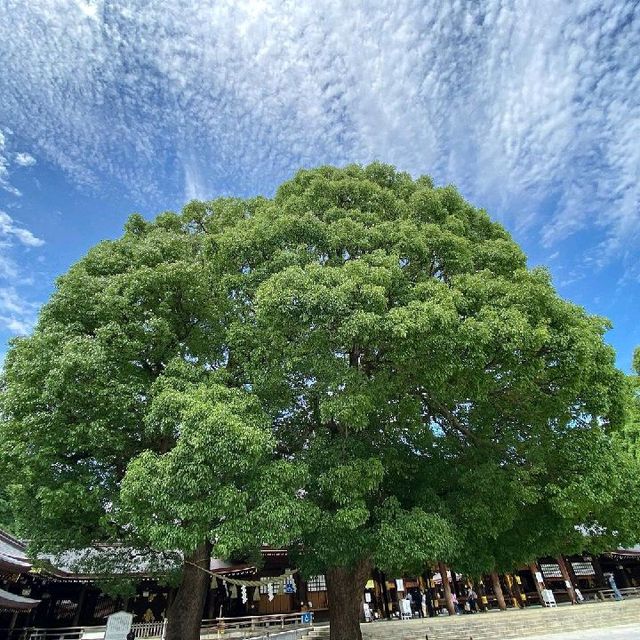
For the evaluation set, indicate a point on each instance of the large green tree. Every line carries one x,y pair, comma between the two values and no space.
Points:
118,422
377,341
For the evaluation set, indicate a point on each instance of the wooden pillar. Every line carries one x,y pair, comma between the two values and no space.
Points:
210,606
601,581
497,590
446,587
454,584
385,595
509,591
514,589
572,574
77,618
533,567
303,589
51,607
429,590
622,575
482,602
568,582
12,624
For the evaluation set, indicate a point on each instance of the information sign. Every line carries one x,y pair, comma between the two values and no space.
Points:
118,625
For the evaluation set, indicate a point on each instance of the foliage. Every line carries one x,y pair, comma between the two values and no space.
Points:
6,512
410,356
362,368
115,395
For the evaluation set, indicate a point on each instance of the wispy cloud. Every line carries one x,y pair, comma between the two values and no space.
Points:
195,187
4,167
520,103
17,315
9,229
7,159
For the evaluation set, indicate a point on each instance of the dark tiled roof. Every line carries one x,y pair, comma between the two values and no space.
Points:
13,554
13,602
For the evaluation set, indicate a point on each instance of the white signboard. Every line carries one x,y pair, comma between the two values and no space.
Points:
118,625
399,584
549,598
539,577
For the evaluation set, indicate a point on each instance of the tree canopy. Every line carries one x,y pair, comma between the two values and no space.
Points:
362,367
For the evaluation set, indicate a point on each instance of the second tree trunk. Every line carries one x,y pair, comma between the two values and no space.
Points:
345,586
497,590
446,587
185,614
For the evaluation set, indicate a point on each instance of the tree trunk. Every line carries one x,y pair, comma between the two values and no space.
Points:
446,587
345,587
497,590
185,614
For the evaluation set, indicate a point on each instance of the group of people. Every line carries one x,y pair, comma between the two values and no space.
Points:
418,603
471,604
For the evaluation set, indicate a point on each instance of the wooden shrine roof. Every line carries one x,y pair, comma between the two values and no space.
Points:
12,602
13,555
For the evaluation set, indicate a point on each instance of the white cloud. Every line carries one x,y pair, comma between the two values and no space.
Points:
24,159
520,103
9,229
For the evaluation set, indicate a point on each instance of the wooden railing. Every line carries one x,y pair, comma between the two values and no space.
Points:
253,626
141,630
626,592
230,628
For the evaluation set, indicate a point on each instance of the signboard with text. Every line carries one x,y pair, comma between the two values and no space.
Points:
118,625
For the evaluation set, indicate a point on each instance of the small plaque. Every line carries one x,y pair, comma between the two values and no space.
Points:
118,625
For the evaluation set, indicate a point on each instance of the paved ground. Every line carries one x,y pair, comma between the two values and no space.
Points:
631,632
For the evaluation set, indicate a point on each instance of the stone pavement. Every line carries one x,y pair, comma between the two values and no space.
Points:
595,621
628,632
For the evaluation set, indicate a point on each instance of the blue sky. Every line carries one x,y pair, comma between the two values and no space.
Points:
531,108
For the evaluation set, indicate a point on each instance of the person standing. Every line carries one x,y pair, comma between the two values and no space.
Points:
423,604
416,601
612,583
